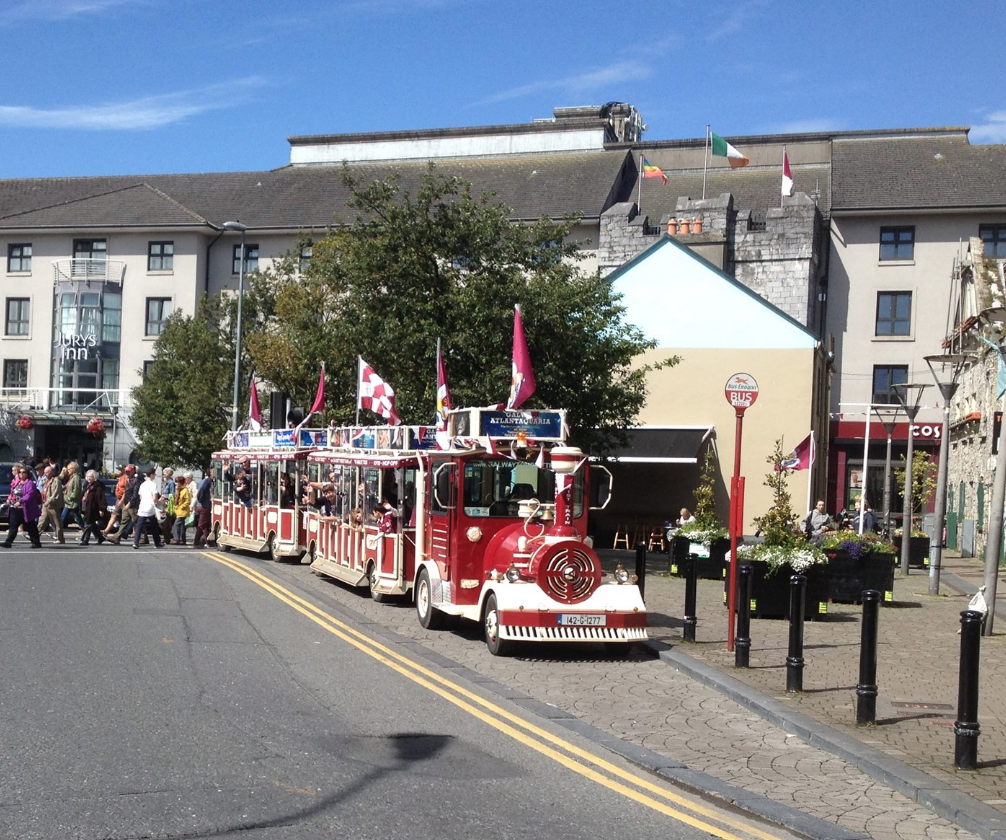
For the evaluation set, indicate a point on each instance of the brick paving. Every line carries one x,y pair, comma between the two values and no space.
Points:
690,705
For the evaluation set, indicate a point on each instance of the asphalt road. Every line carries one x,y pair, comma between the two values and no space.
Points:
171,693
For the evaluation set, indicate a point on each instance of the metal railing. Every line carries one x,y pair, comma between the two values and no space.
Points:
88,270
79,400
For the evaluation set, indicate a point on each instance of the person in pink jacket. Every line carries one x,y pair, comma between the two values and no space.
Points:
25,509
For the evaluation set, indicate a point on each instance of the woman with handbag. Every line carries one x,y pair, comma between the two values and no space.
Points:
25,508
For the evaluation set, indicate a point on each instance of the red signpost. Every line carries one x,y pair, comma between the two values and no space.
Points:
741,392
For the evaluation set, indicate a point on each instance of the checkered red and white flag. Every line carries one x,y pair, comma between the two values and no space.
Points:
376,395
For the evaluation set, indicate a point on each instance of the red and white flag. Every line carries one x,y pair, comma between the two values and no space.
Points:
522,383
443,402
254,414
787,175
802,457
376,395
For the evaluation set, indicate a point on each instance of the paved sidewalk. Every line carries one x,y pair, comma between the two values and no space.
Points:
911,747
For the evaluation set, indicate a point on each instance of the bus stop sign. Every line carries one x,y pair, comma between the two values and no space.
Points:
741,391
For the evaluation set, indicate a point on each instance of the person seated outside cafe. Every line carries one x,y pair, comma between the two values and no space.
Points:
864,513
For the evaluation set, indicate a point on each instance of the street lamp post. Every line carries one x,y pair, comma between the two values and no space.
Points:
888,416
950,366
237,337
995,318
910,397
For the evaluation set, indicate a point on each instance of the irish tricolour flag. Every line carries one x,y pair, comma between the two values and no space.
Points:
721,148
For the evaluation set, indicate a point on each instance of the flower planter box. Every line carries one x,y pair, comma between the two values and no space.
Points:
918,551
709,564
848,576
770,592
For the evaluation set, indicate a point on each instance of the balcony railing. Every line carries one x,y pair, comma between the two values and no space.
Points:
89,270
80,399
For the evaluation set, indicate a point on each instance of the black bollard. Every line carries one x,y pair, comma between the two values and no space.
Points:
742,641
866,691
690,619
641,569
966,726
794,661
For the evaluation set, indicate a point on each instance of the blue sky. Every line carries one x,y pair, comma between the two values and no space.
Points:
93,87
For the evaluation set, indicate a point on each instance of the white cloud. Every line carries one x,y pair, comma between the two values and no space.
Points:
736,20
56,10
618,73
992,130
145,113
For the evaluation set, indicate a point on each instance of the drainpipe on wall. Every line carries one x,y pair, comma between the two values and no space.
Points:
206,281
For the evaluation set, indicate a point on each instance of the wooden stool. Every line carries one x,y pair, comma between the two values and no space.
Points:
622,536
656,538
639,534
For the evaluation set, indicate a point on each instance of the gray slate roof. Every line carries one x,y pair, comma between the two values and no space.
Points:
917,172
309,196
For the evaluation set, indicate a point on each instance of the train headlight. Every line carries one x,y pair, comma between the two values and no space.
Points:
513,574
621,575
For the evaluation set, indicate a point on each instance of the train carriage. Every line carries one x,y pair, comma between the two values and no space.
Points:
257,492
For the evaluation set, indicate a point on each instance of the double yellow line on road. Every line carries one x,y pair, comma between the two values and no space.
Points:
580,761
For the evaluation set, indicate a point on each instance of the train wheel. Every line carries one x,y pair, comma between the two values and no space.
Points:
270,548
491,625
310,554
429,616
378,597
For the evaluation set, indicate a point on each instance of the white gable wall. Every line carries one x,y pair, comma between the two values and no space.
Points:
681,301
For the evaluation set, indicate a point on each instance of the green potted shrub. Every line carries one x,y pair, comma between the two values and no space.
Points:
783,552
705,537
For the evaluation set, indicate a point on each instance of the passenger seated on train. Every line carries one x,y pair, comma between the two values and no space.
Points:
286,495
386,518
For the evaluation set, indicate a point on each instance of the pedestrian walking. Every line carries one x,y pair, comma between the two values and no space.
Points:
183,507
146,510
73,492
52,508
130,503
204,496
93,507
25,508
168,495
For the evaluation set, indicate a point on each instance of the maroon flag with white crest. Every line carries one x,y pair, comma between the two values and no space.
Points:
522,383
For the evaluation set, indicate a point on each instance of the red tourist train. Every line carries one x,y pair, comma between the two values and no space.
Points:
491,528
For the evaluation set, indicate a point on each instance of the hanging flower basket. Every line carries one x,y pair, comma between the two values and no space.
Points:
24,423
96,426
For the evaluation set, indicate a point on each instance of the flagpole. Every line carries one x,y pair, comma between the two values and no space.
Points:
705,162
782,199
639,186
359,373
810,470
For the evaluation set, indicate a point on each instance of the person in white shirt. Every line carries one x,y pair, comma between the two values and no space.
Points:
146,512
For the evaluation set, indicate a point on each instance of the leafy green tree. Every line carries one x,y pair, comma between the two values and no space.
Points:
440,263
182,409
923,479
705,494
779,525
